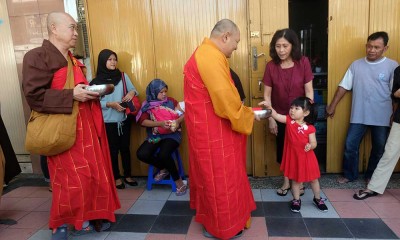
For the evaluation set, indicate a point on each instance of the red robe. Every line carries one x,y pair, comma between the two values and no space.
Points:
81,177
82,180
216,122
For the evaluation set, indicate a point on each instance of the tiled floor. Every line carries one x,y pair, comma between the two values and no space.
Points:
159,214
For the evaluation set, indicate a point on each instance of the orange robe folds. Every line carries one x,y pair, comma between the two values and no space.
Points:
216,122
82,179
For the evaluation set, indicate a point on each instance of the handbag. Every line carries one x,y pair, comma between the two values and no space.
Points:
133,105
51,134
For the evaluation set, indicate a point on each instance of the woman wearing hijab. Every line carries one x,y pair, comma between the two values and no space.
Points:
118,125
162,116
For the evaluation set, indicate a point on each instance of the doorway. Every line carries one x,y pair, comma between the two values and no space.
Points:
309,18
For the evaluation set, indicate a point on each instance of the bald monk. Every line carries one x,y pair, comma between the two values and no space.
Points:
81,177
217,122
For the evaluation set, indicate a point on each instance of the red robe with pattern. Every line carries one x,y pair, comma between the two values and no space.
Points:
216,122
81,177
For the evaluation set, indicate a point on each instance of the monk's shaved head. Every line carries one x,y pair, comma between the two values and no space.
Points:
226,36
63,31
55,18
223,26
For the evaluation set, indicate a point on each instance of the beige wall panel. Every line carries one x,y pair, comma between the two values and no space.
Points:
265,17
385,16
239,62
126,28
348,31
10,92
179,27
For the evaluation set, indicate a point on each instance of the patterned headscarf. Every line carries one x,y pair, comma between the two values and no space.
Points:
152,91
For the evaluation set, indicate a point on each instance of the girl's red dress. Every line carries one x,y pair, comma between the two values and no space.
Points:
298,164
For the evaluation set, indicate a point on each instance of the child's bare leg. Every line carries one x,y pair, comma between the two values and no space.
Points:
296,189
316,188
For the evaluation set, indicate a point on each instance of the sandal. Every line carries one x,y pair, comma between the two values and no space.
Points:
343,180
362,194
60,234
132,183
83,231
181,191
100,225
160,175
282,192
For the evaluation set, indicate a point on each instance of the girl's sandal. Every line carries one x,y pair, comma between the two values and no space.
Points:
160,176
181,191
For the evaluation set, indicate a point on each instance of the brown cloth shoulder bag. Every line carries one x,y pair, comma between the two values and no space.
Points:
52,134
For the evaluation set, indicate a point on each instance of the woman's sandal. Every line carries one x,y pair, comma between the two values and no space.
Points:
181,191
160,175
362,194
282,192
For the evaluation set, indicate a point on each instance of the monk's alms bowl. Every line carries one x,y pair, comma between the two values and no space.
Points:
102,89
262,113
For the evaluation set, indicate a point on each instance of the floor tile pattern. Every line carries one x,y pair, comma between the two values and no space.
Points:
159,214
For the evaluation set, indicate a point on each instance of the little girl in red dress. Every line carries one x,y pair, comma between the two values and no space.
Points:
299,162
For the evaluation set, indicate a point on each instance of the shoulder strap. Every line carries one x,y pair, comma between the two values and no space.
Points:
124,83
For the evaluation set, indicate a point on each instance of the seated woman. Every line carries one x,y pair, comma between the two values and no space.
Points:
162,116
118,126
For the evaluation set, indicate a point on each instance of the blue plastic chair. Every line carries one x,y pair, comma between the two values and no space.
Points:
150,175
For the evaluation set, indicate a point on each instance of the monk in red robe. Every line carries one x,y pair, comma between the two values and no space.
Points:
81,177
216,122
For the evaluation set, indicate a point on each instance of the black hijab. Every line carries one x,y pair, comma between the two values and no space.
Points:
104,75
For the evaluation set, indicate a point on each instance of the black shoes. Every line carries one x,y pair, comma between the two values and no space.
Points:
133,184
320,204
120,186
295,205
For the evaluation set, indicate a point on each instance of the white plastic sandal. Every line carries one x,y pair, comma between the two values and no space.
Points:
181,191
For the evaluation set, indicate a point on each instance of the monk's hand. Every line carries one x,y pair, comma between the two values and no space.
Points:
256,117
83,95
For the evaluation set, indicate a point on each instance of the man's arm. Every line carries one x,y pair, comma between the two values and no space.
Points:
330,109
36,83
